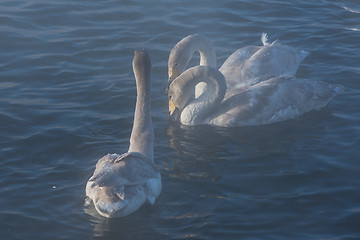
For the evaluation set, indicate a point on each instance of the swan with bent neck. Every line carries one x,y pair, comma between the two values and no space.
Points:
122,183
273,100
245,67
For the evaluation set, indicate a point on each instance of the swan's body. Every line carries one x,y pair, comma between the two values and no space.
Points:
245,67
269,101
253,64
122,183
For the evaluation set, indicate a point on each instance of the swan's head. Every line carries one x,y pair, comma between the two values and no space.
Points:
181,89
176,102
181,54
141,65
183,97
178,59
177,98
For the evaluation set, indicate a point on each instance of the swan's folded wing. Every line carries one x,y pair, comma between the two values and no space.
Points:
232,67
273,60
127,169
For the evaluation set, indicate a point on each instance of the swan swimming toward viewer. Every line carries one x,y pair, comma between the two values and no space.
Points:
273,100
122,183
245,67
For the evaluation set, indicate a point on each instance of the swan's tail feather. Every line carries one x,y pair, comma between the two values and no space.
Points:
264,39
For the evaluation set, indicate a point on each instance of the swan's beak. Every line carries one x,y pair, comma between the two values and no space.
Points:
172,107
174,112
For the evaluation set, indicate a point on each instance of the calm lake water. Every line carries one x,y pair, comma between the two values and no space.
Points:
67,97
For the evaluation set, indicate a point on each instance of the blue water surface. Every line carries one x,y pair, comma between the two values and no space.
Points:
67,97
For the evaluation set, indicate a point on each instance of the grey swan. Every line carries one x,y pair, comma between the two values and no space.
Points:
122,183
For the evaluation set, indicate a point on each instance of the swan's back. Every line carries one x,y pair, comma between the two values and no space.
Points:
274,100
122,183
233,66
250,65
273,60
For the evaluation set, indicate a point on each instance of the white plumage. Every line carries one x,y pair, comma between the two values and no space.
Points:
269,101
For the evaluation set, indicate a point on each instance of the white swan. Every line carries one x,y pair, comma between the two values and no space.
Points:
245,67
122,183
269,101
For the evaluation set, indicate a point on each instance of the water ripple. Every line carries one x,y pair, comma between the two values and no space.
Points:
68,97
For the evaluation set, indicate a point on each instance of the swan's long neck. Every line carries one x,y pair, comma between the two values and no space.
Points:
196,111
184,50
142,135
207,52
